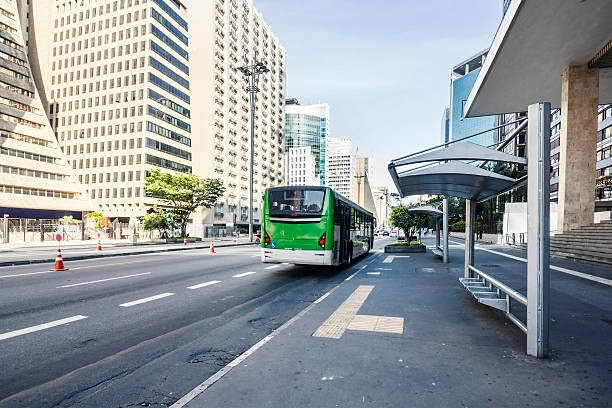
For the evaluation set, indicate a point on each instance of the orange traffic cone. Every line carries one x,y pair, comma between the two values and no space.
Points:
99,245
212,247
184,241
234,240
59,262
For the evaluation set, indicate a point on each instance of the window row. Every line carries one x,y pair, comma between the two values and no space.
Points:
93,117
169,26
14,74
121,191
167,164
168,72
169,42
115,161
94,11
170,11
152,127
154,79
117,177
98,85
122,144
20,121
169,118
166,148
168,103
168,57
18,105
36,192
104,130
8,42
33,173
123,18
97,56
30,156
24,138
16,89
97,101
99,69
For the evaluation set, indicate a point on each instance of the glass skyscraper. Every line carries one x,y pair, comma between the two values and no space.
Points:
308,126
462,80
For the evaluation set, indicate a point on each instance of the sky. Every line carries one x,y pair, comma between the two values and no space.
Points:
383,66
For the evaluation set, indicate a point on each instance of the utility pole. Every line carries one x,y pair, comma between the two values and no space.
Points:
252,72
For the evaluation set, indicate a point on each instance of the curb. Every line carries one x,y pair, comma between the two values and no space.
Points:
93,256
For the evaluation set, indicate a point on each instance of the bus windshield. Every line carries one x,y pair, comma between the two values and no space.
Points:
295,201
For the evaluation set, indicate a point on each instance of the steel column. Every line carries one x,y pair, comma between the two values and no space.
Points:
445,229
538,229
470,223
437,232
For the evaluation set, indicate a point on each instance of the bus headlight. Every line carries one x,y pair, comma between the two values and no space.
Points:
322,241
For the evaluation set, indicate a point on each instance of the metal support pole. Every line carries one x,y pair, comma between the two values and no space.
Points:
253,94
470,223
445,229
437,232
538,229
6,229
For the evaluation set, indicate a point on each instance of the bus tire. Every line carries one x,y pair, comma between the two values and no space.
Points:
349,260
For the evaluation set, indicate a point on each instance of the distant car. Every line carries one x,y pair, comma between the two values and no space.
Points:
385,233
375,233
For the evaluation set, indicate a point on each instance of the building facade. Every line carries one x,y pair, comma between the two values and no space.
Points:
383,205
229,32
463,77
36,180
301,167
308,125
115,76
340,166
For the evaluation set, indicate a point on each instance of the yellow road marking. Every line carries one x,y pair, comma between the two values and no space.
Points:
337,323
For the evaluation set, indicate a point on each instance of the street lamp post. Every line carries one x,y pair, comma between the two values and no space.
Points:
252,71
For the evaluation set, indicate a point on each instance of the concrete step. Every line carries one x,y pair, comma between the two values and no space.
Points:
599,243
586,250
582,258
577,235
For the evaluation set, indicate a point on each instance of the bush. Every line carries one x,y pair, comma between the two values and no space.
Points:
415,243
458,226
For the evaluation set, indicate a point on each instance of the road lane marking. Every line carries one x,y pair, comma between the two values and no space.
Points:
103,280
145,300
380,324
556,268
240,275
336,324
39,327
72,269
201,285
221,373
390,258
372,273
272,267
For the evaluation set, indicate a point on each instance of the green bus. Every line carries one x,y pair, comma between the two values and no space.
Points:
313,225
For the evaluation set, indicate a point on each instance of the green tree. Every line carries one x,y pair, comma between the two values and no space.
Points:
158,219
67,220
183,193
407,221
96,218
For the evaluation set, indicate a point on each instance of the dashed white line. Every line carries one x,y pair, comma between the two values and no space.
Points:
240,275
319,300
272,267
372,273
201,285
145,300
103,280
39,327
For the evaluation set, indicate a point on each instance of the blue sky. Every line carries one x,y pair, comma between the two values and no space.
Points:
383,66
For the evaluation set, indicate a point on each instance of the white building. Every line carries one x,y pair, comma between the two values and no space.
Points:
301,167
228,31
35,179
308,125
383,206
115,79
340,166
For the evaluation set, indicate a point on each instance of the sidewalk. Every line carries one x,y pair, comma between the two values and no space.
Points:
452,352
23,254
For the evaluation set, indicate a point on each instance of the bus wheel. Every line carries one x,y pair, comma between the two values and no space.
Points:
349,261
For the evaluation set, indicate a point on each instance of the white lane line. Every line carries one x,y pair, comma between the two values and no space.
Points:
240,275
103,280
219,374
272,267
201,285
388,259
32,329
553,267
145,300
372,273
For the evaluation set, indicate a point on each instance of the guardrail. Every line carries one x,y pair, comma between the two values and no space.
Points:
501,287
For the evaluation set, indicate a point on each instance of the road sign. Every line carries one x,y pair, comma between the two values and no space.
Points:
58,237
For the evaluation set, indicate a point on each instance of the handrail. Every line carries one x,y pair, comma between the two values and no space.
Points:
504,288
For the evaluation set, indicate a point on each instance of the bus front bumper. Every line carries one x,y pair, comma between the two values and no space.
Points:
300,257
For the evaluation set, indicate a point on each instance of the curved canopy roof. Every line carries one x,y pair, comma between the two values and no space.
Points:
535,42
426,210
453,178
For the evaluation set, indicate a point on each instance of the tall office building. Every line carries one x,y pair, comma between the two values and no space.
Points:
383,205
444,128
340,166
115,80
35,181
229,32
463,77
308,125
301,167
362,190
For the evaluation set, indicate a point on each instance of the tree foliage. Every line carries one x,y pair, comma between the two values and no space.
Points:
96,218
407,221
183,193
158,219
68,220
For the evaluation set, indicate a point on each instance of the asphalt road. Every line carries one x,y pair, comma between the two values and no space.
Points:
137,330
